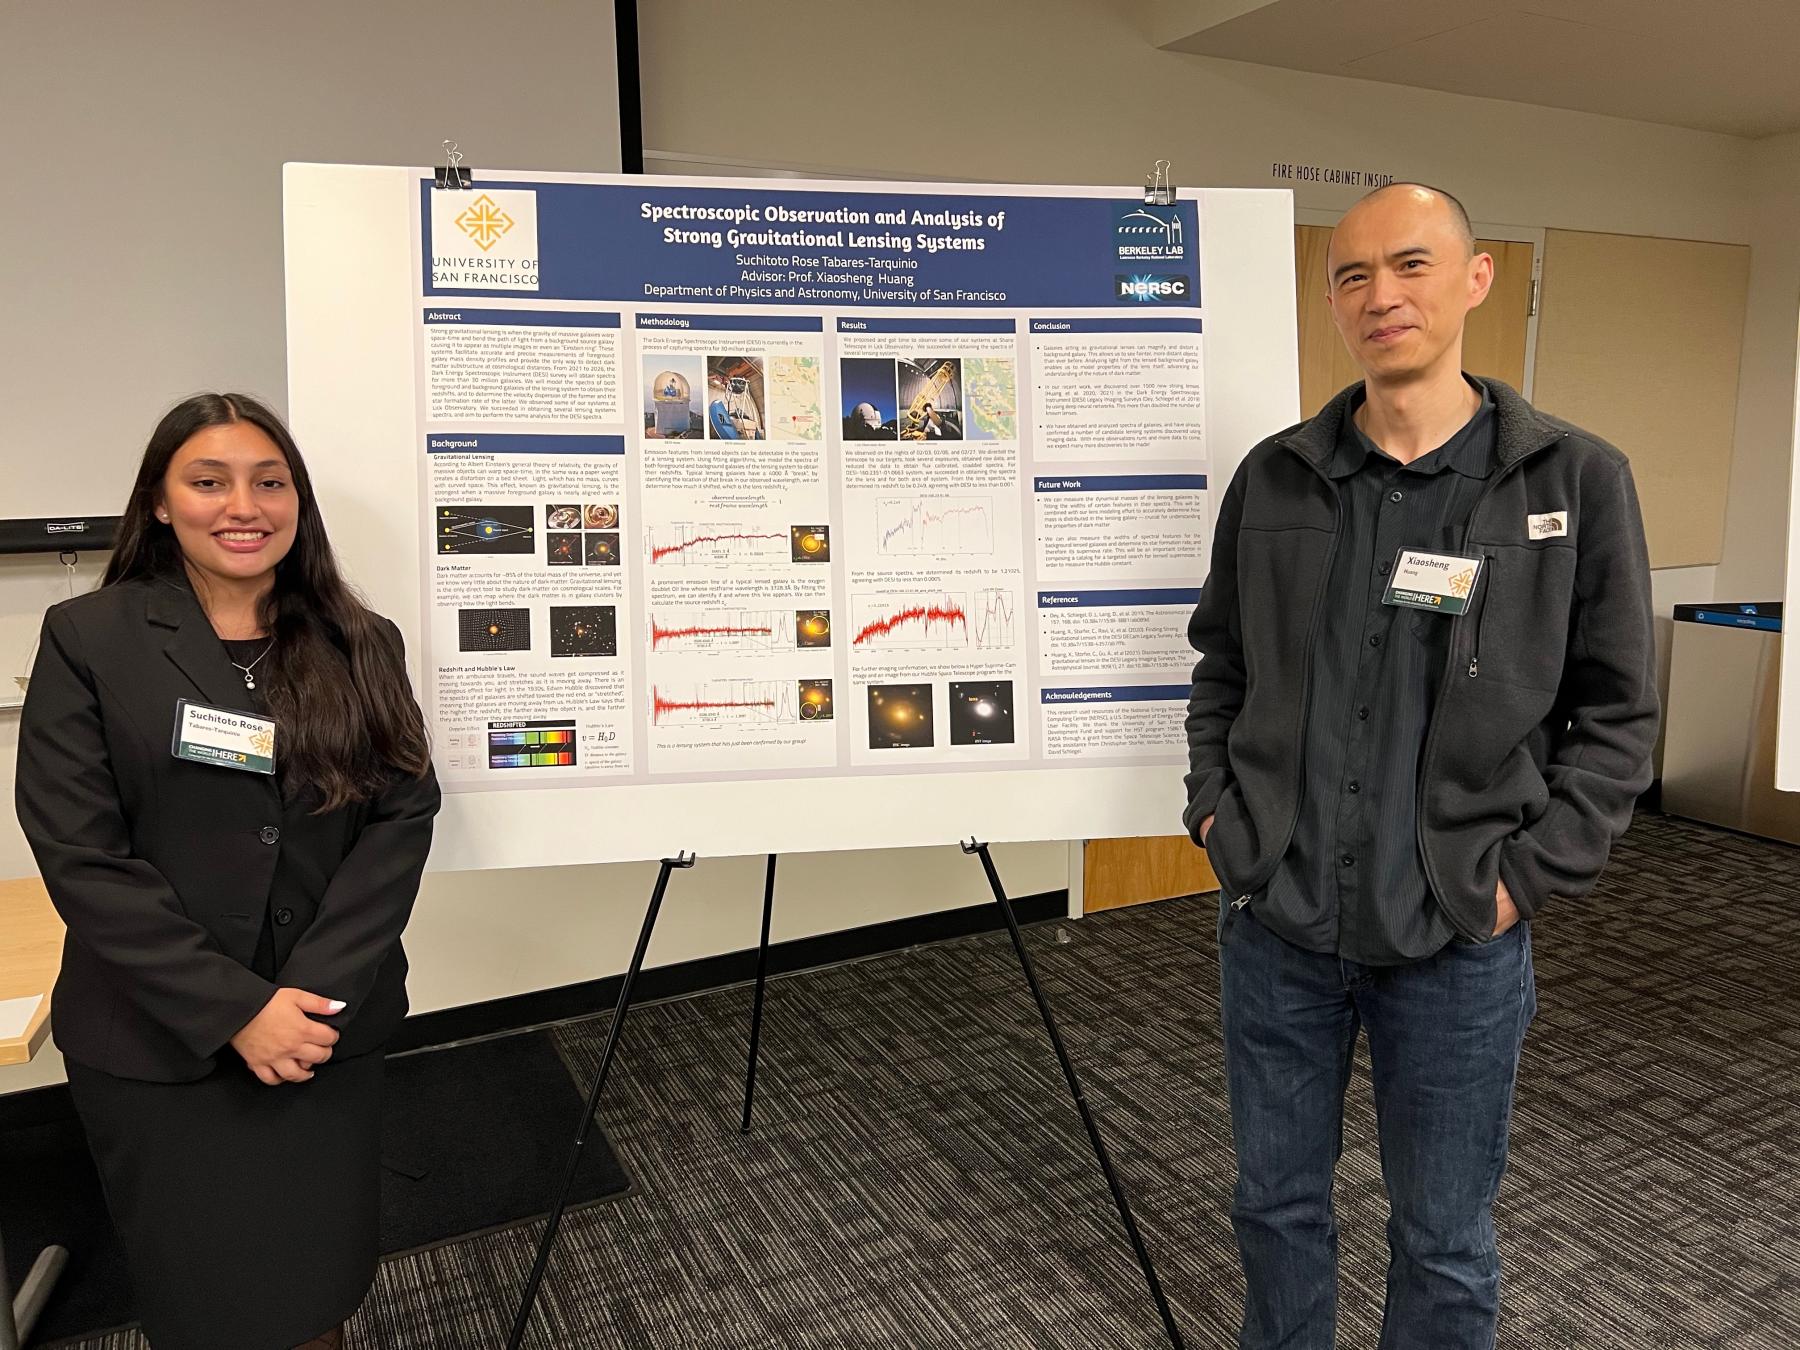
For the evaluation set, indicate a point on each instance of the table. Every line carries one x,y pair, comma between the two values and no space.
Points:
30,955
31,938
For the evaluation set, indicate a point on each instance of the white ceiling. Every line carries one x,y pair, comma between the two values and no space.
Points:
1716,65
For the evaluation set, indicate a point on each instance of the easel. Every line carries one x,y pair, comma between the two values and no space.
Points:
1088,1118
1158,191
523,1318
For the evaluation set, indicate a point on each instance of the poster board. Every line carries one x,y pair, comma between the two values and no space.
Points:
469,408
1787,735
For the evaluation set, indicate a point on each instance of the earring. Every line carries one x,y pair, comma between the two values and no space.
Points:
163,516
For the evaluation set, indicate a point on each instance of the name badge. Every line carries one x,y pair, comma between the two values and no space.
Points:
1436,581
222,737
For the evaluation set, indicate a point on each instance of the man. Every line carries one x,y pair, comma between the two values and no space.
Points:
1424,706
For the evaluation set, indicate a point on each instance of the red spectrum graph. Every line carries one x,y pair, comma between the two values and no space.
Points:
721,630
724,700
718,545
911,621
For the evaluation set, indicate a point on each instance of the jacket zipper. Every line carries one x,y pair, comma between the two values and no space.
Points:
1487,567
1431,877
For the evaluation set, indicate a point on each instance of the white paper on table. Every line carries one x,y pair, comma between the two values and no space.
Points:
16,1015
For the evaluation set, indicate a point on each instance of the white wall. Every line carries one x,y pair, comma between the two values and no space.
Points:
1071,91
1756,512
1018,90
142,245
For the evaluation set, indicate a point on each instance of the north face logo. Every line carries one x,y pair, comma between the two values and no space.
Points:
1551,525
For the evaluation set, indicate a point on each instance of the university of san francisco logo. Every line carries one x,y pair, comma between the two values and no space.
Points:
484,222
485,240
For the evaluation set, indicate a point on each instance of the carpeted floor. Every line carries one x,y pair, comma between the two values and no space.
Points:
473,1137
918,1177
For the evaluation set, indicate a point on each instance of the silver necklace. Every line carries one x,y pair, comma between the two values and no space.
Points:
249,679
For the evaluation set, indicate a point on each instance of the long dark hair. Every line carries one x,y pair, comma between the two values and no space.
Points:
345,716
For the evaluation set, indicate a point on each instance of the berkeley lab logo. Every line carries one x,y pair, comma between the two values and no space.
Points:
1149,234
1151,288
485,241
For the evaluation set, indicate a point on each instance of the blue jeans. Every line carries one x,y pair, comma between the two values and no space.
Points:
1444,1041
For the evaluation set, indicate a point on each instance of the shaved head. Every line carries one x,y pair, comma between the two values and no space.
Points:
1424,192
1403,272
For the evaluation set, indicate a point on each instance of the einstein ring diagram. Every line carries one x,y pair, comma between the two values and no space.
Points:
722,481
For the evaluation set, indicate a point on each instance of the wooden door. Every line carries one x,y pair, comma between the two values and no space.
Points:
1641,341
1493,340
1119,872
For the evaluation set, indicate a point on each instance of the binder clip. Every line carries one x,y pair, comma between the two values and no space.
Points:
453,175
1158,190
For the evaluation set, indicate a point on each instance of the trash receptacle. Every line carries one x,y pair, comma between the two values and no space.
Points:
1719,744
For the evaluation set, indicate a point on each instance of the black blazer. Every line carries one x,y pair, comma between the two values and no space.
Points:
163,869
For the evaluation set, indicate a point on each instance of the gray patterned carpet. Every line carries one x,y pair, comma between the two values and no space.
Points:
919,1179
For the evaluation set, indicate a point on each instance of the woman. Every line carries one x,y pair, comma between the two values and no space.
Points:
225,779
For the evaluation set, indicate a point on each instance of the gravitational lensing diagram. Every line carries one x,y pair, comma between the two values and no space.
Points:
485,529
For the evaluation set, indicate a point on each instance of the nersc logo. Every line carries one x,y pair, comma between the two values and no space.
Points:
1158,289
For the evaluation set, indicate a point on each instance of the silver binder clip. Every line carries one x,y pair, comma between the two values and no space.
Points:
1158,190
453,175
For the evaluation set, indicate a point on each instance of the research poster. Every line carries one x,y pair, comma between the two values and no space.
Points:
806,481
750,515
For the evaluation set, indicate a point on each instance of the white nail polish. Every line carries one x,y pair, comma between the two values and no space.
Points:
338,1005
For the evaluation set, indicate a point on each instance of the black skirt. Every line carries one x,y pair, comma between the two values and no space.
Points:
250,1214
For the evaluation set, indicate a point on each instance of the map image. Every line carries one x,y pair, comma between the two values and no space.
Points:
794,398
992,391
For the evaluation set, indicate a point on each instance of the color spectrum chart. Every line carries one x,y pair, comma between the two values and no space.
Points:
531,745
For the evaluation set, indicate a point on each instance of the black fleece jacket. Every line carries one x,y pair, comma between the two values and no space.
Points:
1541,739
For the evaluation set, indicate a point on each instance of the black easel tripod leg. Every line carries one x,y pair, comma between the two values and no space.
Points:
523,1318
762,977
1087,1115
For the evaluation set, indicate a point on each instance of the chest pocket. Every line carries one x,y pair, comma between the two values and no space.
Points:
1522,616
